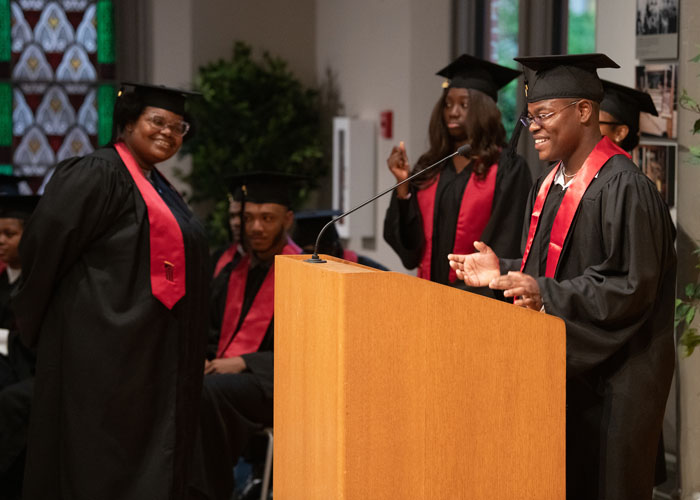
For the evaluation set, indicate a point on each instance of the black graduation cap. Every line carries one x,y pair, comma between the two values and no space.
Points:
266,187
574,76
160,96
468,72
625,103
12,204
308,224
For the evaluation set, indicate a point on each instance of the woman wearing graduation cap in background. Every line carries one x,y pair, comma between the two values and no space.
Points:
619,113
114,294
466,199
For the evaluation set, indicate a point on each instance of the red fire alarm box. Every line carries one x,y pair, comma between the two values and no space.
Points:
386,119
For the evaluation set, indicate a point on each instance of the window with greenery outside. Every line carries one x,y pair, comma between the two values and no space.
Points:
253,115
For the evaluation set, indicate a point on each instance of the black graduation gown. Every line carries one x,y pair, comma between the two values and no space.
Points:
19,362
259,363
403,223
234,406
118,376
16,387
615,289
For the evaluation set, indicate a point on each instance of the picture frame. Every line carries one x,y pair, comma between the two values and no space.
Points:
658,162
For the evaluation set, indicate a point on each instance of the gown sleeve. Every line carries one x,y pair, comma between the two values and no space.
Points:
82,199
403,229
513,183
609,302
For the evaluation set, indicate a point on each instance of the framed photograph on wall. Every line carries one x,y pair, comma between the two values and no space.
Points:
658,162
657,29
661,82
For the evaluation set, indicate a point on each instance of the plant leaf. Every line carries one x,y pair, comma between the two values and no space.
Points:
690,315
690,340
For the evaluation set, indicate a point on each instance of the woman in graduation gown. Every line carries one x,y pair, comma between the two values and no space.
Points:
114,296
465,199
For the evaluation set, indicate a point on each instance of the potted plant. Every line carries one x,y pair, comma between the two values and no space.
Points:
253,115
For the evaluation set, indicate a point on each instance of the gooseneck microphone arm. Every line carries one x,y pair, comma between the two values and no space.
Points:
463,151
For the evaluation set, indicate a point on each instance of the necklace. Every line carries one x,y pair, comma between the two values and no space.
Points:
568,176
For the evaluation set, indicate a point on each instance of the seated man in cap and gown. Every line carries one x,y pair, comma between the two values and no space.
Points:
238,383
16,360
481,196
114,294
598,253
308,225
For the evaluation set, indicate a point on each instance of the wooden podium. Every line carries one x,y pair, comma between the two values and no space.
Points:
392,387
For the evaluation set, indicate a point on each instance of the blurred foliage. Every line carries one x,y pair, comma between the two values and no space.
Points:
686,309
582,28
506,48
253,115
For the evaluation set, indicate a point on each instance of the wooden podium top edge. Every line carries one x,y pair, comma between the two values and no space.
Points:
341,266
332,264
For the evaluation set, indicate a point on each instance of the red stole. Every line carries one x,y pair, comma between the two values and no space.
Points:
165,237
350,256
603,151
474,213
226,257
252,331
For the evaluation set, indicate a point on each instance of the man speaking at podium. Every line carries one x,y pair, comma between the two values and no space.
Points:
598,253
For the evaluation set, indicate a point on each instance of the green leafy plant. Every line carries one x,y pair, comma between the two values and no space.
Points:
254,114
685,313
687,309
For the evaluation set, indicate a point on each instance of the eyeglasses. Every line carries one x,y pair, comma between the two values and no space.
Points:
177,128
540,119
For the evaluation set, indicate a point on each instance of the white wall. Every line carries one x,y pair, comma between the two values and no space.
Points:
615,28
385,54
285,29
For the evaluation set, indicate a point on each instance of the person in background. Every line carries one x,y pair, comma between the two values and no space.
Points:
307,226
465,199
237,397
235,250
16,360
619,114
598,253
114,294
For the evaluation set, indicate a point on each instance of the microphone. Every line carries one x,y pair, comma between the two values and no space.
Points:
315,259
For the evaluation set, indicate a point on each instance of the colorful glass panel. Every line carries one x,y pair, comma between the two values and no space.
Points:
5,30
105,32
21,31
60,63
5,114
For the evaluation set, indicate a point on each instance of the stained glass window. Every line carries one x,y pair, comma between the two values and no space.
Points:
56,82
